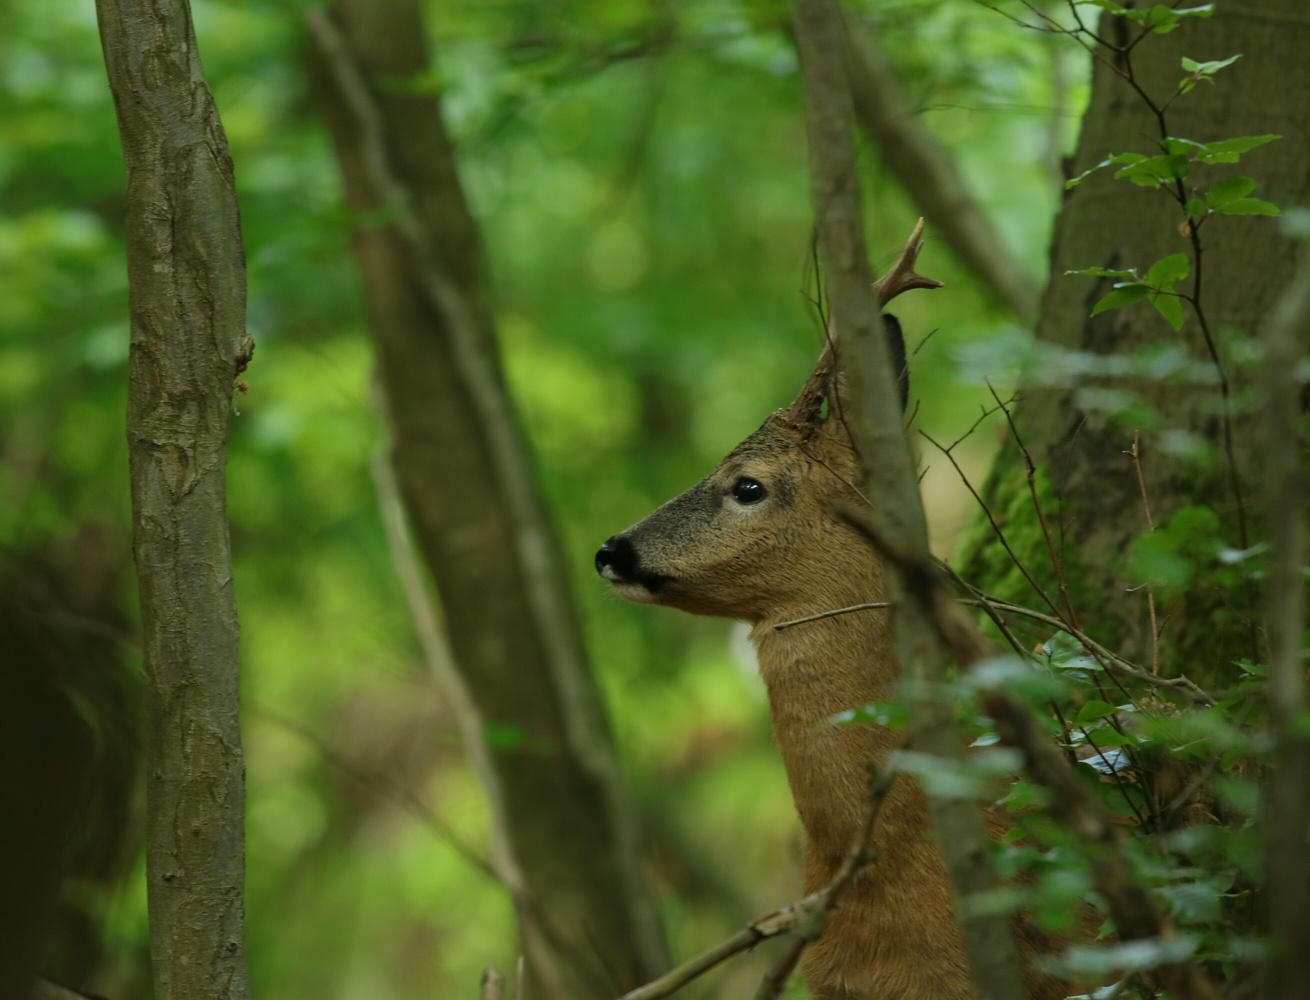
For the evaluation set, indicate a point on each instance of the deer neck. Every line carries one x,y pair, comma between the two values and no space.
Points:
813,671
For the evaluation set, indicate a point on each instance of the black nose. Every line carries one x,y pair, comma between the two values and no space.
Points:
618,556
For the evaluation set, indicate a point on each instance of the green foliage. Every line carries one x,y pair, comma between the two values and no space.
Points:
1158,18
1202,72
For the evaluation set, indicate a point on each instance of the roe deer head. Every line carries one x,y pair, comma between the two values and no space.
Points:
761,539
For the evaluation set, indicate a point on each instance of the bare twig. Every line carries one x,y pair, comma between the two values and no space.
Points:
1150,527
1030,473
834,613
437,655
1057,566
996,528
775,980
805,917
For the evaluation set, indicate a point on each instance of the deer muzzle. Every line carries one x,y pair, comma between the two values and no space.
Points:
618,562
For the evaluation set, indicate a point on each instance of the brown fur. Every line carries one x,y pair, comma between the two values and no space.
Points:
894,934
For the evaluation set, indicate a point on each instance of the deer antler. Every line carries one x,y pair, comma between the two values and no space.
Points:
902,277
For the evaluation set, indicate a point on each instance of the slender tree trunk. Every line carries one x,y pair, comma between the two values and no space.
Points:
569,845
1086,480
1287,795
186,272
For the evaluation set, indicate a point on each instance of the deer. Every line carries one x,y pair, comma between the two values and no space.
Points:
761,539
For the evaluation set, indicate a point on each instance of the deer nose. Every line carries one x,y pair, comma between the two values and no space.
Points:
616,559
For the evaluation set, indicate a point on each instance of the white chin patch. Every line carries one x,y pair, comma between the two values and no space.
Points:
634,592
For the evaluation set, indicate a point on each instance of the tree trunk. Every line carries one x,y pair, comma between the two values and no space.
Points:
186,272
569,852
1086,479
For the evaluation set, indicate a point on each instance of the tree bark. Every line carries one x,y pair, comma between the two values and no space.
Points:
186,272
1287,795
587,922
1086,481
1086,478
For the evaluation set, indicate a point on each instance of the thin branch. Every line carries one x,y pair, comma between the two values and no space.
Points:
834,613
1150,528
1030,473
1057,565
437,655
775,980
995,607
806,917
929,174
398,793
996,528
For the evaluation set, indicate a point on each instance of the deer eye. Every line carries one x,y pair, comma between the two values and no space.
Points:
748,490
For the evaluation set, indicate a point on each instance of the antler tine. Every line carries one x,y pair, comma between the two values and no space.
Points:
902,277
805,409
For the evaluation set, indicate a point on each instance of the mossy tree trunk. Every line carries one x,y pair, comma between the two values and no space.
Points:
1087,481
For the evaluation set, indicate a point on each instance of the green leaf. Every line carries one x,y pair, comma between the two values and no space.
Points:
1181,147
1152,171
1161,19
1169,306
1192,902
1168,271
1073,182
1231,150
1229,189
1124,294
1093,711
1248,206
1154,560
1108,738
1195,208
1208,68
1203,70
1105,272
1160,281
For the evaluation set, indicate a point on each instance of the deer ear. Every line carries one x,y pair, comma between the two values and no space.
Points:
826,385
896,352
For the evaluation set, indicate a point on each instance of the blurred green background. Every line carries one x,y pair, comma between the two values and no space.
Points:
638,171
